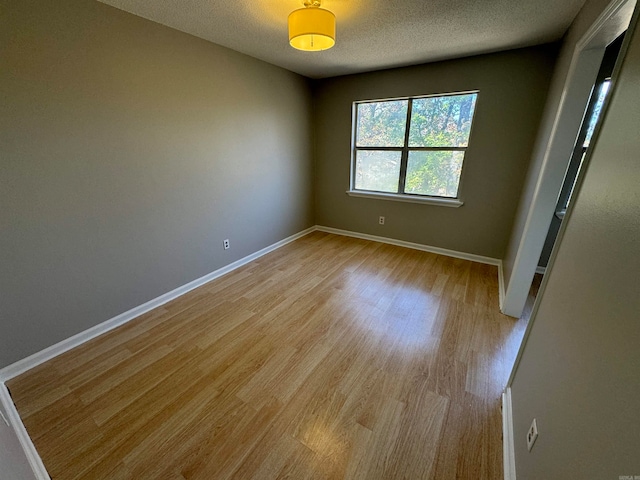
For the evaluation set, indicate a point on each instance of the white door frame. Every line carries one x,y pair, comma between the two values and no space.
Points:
585,63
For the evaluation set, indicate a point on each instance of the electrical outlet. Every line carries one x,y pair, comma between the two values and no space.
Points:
226,244
4,418
381,220
532,434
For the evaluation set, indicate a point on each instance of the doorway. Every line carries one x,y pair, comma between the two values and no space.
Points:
528,239
591,119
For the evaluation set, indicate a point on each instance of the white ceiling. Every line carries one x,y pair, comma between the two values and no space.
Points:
371,34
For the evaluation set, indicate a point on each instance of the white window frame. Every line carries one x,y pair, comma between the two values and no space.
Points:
405,149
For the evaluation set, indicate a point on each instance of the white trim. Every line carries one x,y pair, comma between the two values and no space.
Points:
429,95
583,68
416,246
32,361
580,77
501,284
15,423
48,353
541,270
609,12
607,35
396,197
38,358
508,447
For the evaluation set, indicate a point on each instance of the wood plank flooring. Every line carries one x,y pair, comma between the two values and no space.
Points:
329,358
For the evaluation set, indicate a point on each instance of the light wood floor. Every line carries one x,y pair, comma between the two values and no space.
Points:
329,358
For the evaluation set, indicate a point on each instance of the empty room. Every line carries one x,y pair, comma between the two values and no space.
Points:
330,239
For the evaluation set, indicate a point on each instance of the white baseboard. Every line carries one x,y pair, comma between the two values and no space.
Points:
15,423
38,358
21,366
48,353
416,246
501,284
508,447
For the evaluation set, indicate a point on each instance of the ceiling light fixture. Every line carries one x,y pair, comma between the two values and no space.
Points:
312,28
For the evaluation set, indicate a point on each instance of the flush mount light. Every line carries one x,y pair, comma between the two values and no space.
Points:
312,28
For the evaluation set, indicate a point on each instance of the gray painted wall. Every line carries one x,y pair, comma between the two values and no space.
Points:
579,372
513,87
587,16
129,151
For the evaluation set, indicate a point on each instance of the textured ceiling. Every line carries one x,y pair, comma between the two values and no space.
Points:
371,34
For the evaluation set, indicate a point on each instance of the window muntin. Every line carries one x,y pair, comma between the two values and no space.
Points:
413,146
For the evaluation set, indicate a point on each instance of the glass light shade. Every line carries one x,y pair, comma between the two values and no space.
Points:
312,29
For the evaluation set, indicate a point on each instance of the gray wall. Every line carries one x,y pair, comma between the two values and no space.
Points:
580,370
587,16
513,87
129,151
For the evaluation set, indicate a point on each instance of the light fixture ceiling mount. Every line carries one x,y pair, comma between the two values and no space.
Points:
312,28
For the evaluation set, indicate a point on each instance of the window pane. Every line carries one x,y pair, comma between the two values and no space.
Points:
434,173
602,95
442,121
377,171
382,124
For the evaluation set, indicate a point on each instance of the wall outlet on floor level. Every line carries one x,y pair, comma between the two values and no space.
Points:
226,244
532,434
4,418
381,220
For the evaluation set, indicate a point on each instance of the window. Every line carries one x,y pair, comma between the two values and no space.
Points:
577,159
595,115
411,148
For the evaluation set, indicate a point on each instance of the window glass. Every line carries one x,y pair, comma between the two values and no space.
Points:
382,124
434,173
377,171
441,121
413,146
604,89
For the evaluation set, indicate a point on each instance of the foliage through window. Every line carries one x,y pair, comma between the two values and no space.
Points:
412,146
602,95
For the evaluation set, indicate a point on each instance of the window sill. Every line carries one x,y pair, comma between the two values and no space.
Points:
443,202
